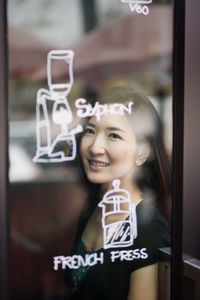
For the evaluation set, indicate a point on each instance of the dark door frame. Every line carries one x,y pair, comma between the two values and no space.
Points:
178,136
4,222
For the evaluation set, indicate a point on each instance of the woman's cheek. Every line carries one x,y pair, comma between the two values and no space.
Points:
83,146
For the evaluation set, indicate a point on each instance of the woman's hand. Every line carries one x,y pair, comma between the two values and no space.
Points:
144,283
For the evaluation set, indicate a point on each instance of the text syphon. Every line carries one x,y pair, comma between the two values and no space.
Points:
85,109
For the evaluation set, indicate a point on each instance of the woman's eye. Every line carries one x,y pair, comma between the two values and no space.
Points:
89,131
114,136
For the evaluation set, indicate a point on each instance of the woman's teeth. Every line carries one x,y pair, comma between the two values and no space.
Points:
98,164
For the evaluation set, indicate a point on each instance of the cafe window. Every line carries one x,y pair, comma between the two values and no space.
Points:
90,145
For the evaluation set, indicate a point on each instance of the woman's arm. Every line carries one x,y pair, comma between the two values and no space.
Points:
144,283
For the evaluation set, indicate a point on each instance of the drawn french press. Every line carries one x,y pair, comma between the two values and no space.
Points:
117,230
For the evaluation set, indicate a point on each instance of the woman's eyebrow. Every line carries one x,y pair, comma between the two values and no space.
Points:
107,128
91,125
115,129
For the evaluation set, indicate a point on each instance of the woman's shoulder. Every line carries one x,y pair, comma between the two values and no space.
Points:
152,225
147,213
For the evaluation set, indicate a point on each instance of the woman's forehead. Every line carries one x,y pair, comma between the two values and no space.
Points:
111,121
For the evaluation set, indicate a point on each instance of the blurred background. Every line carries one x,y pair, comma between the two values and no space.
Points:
112,45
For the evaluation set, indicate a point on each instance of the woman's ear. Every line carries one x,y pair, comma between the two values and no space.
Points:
140,161
142,155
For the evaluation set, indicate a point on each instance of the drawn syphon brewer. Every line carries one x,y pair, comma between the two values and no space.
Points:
49,148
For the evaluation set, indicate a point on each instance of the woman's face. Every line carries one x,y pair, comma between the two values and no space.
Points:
108,149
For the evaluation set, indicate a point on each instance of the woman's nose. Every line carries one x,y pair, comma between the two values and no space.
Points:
97,146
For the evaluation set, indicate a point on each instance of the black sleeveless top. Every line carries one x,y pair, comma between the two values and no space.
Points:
110,280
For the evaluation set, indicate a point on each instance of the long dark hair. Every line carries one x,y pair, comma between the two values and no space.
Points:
154,177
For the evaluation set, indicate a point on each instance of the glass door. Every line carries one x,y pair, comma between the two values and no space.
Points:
90,146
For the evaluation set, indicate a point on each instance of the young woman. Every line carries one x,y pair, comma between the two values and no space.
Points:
127,147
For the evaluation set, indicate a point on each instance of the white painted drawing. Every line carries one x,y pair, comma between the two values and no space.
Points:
85,109
53,109
138,6
118,231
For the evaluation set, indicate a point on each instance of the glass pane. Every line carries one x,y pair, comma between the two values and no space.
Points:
90,109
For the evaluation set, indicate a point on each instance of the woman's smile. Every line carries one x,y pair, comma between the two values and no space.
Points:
97,164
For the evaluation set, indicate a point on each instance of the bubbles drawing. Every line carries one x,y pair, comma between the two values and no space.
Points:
117,203
53,109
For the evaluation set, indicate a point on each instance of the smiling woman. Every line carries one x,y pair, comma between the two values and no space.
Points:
126,152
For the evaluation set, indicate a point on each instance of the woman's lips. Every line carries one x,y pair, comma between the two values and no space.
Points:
97,165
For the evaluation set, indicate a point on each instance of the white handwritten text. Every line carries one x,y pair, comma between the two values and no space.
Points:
86,110
76,261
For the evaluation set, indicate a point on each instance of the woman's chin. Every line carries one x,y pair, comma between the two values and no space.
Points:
97,179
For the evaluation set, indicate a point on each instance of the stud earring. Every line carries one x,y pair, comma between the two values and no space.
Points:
140,161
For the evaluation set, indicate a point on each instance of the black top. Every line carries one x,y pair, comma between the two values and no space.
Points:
110,280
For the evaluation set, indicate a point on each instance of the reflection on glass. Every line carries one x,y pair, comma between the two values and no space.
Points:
48,200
